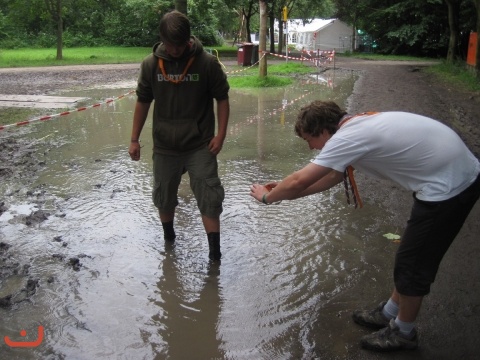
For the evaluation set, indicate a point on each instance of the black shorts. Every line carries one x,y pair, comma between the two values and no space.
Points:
430,231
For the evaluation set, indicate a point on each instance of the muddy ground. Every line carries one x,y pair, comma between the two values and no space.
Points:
449,319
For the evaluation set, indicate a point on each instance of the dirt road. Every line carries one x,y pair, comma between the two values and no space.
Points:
448,322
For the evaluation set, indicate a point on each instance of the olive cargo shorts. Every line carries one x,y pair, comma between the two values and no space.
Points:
202,168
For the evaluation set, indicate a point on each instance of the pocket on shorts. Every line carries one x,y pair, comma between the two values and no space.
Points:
211,201
216,188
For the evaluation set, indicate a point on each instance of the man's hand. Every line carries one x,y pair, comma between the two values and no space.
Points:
257,191
134,151
215,145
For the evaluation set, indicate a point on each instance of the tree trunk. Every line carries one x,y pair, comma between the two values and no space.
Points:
181,5
248,31
59,30
477,64
354,34
54,8
262,43
453,18
280,36
271,26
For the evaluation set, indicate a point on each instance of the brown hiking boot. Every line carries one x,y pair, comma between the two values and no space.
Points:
371,318
389,339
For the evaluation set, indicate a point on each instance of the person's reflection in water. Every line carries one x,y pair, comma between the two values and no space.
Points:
188,328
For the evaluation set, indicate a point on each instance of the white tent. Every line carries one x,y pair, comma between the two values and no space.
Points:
320,34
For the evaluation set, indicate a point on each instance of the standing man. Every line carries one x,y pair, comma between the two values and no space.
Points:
184,80
418,153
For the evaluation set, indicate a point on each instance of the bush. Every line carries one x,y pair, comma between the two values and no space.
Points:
81,40
207,35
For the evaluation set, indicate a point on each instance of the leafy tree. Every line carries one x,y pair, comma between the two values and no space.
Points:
405,26
54,7
246,9
351,12
461,23
181,5
422,28
262,9
305,10
453,18
135,23
205,24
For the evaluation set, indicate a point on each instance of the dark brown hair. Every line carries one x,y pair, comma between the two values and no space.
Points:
174,28
318,116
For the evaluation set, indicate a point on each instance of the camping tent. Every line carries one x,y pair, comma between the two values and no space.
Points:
320,34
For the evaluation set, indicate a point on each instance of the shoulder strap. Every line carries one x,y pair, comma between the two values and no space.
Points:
348,178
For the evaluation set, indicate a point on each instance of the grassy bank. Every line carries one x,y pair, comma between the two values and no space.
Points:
84,56
457,74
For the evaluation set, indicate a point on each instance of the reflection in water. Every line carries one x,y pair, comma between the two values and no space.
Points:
135,298
189,299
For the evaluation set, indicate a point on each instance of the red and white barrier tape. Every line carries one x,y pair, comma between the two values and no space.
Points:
237,71
286,57
237,128
50,117
331,54
328,54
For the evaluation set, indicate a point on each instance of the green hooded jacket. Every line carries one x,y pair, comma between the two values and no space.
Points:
183,115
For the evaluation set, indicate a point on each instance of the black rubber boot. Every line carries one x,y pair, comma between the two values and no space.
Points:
214,246
168,231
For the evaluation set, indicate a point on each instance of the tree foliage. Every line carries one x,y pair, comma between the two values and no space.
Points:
407,27
28,23
410,27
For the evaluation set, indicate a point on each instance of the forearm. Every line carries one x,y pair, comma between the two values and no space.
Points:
330,180
223,114
288,189
307,181
139,118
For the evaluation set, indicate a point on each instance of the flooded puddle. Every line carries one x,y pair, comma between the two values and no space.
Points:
109,288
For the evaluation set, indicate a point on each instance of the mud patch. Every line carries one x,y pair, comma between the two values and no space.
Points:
16,286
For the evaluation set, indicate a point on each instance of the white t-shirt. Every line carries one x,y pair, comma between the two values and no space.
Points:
418,153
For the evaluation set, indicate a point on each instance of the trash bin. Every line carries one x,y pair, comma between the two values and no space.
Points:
255,54
244,54
472,49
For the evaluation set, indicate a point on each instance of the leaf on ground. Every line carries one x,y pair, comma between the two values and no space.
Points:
391,236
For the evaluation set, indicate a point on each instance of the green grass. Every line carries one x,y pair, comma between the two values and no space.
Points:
289,68
456,74
254,81
277,75
369,56
72,56
83,56
29,57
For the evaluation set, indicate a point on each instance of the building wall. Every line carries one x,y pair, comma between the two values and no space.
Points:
336,35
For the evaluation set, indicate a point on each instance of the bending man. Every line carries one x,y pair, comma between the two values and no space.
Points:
418,153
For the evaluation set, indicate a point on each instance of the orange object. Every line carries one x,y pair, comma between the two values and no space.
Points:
472,49
35,343
269,187
356,196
